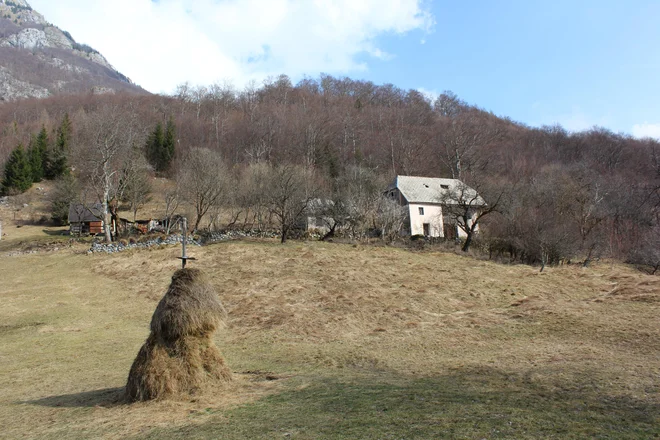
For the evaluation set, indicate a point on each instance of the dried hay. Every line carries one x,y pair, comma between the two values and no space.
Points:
179,356
642,292
639,288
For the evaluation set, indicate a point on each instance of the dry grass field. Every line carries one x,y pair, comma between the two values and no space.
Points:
336,341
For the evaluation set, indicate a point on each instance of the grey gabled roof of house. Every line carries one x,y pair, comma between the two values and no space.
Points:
434,190
82,214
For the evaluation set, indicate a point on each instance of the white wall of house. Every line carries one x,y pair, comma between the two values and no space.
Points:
318,224
461,232
433,217
429,214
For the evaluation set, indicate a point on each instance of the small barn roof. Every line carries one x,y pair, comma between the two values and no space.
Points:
83,214
433,189
319,206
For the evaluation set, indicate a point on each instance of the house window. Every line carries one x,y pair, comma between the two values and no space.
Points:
421,211
444,186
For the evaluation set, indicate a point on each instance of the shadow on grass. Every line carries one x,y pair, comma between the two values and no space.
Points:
483,404
107,397
61,232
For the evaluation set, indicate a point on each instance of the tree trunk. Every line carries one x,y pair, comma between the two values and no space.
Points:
544,258
114,222
468,241
198,220
234,220
589,254
330,233
106,218
283,237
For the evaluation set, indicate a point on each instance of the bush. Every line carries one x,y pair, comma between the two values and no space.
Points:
63,195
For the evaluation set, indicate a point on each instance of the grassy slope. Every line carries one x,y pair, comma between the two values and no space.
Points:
365,342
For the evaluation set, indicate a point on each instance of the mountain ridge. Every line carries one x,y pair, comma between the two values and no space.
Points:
38,59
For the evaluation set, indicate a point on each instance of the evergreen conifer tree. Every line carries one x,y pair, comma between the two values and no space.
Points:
18,173
38,155
36,163
64,133
161,146
155,146
169,144
56,164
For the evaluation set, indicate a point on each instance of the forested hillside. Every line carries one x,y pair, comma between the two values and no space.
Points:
559,195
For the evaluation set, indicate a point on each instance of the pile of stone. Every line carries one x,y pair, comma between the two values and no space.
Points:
205,239
219,236
111,248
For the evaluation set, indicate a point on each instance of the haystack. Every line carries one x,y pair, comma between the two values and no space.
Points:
179,357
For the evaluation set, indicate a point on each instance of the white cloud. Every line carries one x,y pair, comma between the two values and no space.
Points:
160,44
574,121
646,130
431,95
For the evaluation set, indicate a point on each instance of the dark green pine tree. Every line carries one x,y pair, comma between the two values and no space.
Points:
169,144
56,164
38,155
155,146
18,174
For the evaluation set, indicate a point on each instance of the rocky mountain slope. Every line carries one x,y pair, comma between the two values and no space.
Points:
37,59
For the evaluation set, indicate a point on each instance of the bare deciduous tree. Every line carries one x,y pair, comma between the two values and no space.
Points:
251,196
289,192
171,197
202,181
356,201
465,207
461,141
389,218
648,250
136,182
104,141
450,105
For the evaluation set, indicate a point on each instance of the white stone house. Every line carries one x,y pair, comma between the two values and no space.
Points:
317,216
428,200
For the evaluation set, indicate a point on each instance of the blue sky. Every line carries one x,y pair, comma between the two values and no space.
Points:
580,63
577,63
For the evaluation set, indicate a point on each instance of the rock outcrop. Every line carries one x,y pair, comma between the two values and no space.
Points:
37,59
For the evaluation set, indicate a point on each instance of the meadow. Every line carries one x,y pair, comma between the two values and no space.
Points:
334,341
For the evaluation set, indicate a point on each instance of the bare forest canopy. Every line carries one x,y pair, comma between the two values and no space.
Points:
560,195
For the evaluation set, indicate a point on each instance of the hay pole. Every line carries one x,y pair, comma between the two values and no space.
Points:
184,258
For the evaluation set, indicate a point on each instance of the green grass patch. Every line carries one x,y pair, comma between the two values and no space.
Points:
484,404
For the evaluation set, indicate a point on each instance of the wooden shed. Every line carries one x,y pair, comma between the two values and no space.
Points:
85,219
